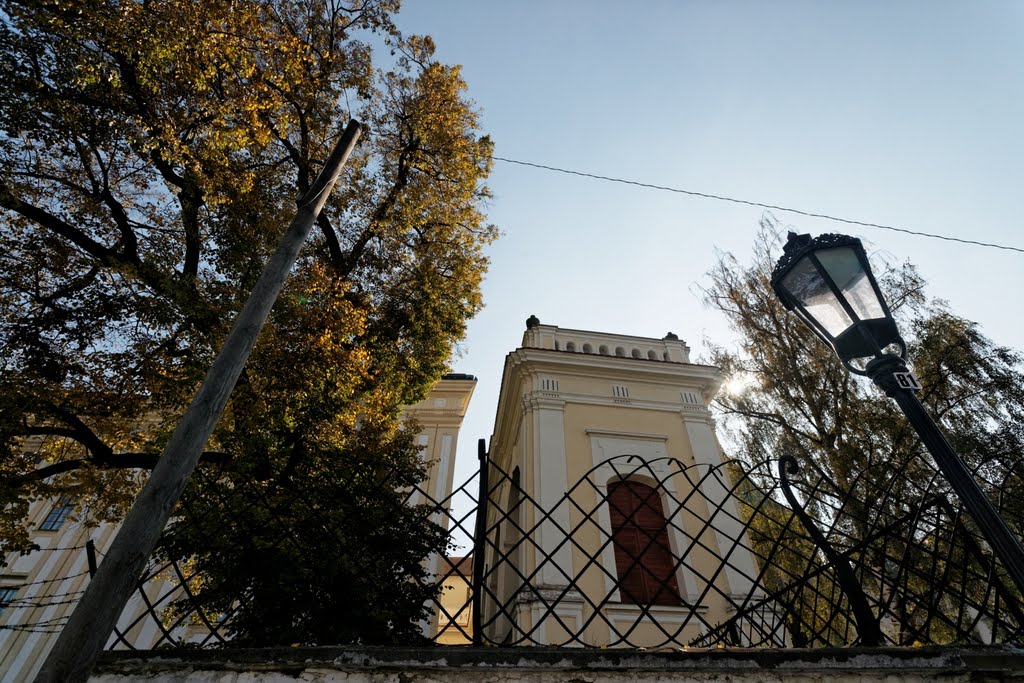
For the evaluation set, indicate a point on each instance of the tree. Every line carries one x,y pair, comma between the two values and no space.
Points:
794,397
150,155
329,553
794,394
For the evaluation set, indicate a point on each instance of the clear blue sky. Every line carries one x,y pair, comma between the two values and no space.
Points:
906,114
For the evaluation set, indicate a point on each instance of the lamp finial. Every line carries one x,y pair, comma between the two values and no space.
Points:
796,242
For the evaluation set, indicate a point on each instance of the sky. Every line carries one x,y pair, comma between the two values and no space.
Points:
906,114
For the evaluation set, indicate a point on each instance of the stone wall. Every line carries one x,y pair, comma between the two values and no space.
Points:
542,665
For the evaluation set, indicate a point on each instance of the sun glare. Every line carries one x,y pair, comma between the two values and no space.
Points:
737,384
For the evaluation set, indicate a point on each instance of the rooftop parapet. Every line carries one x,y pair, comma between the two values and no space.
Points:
667,349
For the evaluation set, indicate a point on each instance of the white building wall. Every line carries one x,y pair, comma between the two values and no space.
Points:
52,578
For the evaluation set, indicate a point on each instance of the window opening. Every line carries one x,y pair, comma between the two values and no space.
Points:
643,557
6,597
58,513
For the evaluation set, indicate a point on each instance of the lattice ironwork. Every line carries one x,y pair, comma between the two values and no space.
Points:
751,565
769,555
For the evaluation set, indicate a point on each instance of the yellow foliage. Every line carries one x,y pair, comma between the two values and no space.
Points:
152,154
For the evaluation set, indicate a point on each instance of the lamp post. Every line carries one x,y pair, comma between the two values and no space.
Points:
827,282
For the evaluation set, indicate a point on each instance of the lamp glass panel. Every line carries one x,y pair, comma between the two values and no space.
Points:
805,284
847,271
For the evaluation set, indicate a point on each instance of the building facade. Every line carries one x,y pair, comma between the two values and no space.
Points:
39,590
591,429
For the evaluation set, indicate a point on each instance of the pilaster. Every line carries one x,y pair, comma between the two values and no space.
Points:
545,413
739,567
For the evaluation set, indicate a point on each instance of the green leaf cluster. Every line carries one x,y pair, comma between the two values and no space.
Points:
324,551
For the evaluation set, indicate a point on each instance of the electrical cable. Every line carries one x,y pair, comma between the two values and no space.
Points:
44,581
747,202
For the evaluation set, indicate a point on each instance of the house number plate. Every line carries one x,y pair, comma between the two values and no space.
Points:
906,380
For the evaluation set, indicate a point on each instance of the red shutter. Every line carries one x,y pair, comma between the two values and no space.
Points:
643,556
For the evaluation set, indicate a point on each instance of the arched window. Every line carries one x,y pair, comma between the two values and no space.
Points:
652,355
512,550
666,356
587,348
569,346
620,352
556,345
635,353
643,557
603,350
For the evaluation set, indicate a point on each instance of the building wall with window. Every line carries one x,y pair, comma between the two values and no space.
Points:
456,607
42,587
571,401
38,591
440,417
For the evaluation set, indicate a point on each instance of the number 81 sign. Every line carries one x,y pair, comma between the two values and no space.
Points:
906,380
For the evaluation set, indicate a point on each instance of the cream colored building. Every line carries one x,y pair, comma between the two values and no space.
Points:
440,417
571,403
40,589
455,613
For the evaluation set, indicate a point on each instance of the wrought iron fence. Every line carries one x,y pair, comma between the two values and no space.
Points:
896,564
766,555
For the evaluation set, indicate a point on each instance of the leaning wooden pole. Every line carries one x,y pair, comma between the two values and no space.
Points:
87,631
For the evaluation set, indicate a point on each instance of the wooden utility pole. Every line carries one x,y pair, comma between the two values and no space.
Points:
93,620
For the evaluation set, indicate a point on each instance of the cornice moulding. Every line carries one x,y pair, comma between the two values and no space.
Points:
549,360
591,431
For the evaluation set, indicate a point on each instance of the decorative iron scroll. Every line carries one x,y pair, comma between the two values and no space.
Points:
866,622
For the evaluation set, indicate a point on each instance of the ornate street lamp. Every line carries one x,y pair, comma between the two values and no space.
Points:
828,282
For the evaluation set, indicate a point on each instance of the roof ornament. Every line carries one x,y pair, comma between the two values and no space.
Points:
532,322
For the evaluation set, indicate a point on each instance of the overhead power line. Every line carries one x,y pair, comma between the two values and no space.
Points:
747,202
